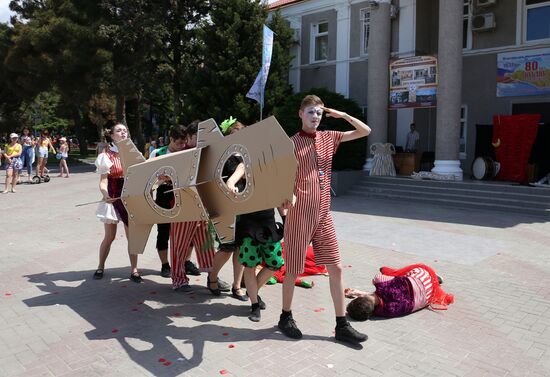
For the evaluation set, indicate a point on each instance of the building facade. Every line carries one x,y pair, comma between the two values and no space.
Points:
333,52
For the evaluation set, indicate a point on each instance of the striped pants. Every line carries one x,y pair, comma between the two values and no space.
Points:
310,222
182,235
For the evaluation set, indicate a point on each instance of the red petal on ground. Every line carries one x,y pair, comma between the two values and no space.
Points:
153,292
177,314
114,331
225,334
139,302
231,346
162,360
134,309
7,294
168,363
224,371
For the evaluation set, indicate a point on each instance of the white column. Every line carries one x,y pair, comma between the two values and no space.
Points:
342,49
378,75
449,92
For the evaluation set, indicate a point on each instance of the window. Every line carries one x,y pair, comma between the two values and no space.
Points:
466,29
463,129
364,19
537,20
319,41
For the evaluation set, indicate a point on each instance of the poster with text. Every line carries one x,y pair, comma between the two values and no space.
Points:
413,82
523,73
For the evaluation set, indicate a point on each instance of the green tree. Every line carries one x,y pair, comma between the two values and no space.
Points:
135,36
350,155
9,101
178,21
58,47
43,112
229,59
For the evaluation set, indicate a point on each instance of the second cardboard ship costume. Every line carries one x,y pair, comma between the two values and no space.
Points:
196,174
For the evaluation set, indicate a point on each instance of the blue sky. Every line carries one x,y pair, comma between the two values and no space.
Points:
4,10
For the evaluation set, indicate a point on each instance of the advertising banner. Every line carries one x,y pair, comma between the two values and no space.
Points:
523,73
413,82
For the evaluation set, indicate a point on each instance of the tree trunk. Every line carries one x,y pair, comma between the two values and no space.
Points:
121,109
80,131
176,85
138,126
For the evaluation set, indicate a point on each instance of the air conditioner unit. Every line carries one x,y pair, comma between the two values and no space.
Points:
483,22
485,3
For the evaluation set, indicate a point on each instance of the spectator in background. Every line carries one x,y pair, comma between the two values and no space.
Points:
27,155
152,147
44,145
62,156
412,139
13,162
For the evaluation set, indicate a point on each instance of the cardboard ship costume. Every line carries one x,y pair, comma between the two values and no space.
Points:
196,174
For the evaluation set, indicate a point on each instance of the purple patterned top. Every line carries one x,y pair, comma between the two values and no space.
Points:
396,296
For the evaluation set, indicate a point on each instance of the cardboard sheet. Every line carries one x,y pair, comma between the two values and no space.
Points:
270,166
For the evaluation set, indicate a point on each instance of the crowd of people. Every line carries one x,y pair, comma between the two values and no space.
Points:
19,152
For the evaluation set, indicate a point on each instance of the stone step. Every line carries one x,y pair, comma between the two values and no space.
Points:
474,185
455,190
466,194
456,196
452,202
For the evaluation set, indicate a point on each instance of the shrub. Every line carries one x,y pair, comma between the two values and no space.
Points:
350,155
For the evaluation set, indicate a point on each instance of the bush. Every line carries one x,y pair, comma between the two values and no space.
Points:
350,155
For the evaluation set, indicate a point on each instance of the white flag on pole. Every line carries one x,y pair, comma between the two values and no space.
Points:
256,92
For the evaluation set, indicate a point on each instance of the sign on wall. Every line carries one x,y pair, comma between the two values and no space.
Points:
523,73
413,82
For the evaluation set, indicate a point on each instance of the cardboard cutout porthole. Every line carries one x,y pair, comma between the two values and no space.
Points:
154,182
241,153
200,189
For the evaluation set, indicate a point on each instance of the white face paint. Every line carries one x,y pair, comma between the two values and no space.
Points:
311,117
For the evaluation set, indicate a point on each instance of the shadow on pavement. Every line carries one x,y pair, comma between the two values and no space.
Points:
144,318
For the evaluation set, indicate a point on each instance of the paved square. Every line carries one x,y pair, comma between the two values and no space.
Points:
55,320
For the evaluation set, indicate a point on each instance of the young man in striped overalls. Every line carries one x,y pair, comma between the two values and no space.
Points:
165,199
309,220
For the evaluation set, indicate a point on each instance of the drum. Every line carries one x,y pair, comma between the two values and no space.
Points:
485,168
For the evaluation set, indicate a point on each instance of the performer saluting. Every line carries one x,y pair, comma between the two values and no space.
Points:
309,219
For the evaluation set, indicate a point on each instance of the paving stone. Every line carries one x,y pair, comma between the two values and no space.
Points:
57,321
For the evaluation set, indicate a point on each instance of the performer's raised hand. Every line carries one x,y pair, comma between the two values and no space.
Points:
332,113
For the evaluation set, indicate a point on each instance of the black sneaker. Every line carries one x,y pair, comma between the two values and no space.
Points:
349,334
255,314
136,278
191,269
165,271
288,327
261,302
186,288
